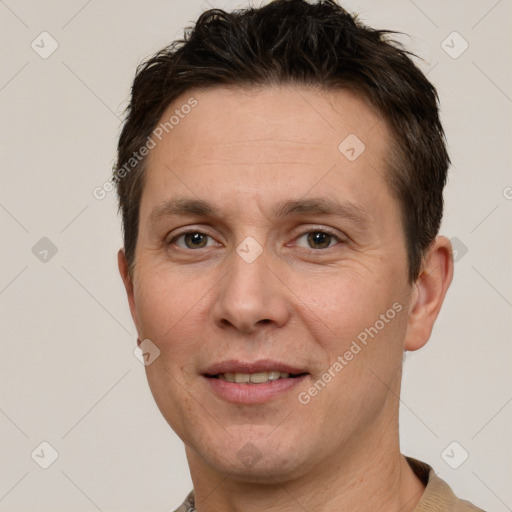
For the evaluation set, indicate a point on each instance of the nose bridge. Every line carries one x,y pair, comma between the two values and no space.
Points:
250,294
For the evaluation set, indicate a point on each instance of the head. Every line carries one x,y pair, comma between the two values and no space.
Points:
303,154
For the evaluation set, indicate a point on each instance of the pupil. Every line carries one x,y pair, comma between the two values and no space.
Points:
195,240
319,239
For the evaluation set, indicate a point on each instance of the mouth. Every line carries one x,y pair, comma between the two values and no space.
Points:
253,383
255,378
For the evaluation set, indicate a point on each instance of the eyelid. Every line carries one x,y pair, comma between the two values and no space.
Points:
175,235
341,237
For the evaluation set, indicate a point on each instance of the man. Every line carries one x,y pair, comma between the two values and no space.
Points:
280,176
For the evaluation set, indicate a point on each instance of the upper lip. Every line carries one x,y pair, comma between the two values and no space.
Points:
263,365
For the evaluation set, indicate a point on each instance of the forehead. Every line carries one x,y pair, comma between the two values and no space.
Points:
306,116
275,140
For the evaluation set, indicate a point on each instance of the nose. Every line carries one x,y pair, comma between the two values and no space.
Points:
251,296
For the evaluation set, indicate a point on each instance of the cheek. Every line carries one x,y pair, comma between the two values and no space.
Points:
342,302
347,314
169,308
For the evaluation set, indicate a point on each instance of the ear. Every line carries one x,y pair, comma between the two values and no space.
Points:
128,285
429,291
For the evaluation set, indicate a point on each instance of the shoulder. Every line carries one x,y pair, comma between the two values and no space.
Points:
438,496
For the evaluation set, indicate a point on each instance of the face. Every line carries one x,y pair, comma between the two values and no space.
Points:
269,253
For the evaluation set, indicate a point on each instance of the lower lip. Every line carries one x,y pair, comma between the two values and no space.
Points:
253,393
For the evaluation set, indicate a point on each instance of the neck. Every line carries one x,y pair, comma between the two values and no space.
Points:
375,476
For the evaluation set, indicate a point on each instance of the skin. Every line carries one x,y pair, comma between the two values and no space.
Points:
300,301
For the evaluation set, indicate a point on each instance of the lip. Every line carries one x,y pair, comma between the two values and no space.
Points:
238,393
263,365
253,393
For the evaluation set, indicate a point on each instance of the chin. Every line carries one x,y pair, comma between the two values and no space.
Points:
256,459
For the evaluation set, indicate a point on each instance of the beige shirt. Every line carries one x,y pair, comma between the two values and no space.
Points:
437,497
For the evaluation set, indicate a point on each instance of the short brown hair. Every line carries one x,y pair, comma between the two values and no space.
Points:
312,44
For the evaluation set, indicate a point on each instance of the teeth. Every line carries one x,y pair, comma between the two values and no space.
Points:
258,378
254,378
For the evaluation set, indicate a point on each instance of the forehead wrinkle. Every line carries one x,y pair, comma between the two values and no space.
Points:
255,151
270,141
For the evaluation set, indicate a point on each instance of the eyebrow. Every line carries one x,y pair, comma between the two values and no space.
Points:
323,206
184,207
288,208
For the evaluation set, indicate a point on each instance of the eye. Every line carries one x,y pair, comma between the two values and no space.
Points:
319,239
192,240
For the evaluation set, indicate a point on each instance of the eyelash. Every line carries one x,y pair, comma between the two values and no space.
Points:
323,231
304,233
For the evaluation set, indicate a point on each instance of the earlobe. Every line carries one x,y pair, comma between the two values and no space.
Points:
128,284
429,292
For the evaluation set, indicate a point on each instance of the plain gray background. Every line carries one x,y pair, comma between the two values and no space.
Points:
69,376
